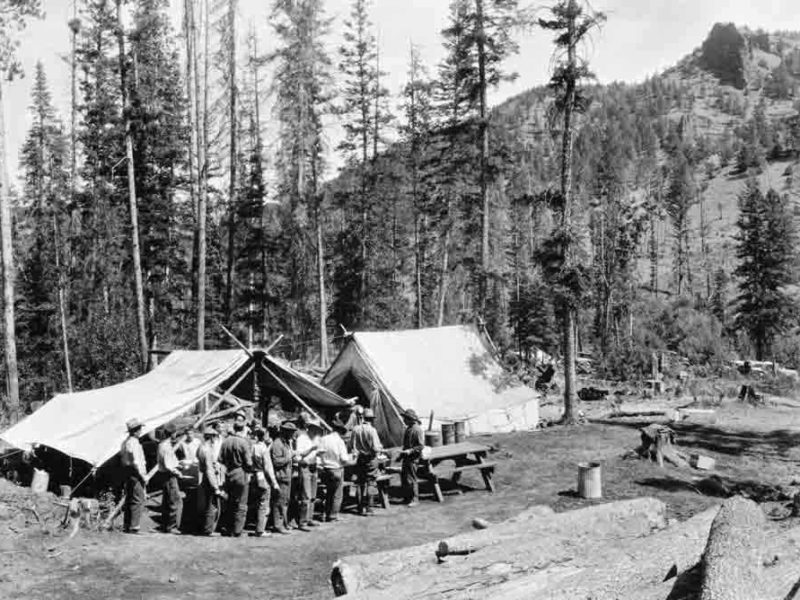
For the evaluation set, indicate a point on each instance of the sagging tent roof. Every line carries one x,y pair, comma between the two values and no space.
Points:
90,425
302,385
448,370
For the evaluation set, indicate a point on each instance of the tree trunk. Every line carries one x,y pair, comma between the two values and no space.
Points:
484,153
653,255
233,161
12,374
132,205
625,559
62,304
202,165
570,313
443,271
323,305
191,39
732,562
531,541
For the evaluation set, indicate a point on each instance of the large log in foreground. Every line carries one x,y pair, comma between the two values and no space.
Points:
620,568
529,542
733,559
361,572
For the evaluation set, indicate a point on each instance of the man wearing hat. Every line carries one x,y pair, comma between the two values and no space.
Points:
210,485
413,442
366,445
132,460
282,454
333,456
236,455
171,501
306,443
263,479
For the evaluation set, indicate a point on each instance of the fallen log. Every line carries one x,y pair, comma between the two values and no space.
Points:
642,569
530,541
600,569
359,572
733,558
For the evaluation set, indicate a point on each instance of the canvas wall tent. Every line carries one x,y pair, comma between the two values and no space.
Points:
448,370
90,425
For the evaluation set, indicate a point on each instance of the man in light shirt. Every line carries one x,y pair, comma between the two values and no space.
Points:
189,446
210,482
171,501
332,456
132,459
264,480
366,445
306,454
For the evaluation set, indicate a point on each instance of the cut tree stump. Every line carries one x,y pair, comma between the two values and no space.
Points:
733,558
521,545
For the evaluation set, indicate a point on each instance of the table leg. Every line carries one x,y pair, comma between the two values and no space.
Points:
487,479
457,476
383,495
438,490
486,473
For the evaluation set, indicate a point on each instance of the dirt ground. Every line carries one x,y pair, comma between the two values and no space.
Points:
749,444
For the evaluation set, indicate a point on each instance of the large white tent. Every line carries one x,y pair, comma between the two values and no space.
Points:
90,425
448,370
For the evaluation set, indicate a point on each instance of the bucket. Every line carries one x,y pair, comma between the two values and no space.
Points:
448,433
65,490
40,481
433,439
589,480
461,431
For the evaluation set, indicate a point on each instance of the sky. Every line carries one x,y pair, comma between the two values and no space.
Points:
640,38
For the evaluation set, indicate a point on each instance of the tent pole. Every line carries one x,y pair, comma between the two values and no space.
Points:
219,400
295,396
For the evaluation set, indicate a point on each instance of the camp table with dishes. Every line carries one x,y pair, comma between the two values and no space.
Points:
465,456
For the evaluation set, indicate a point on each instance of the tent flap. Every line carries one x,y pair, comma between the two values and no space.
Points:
90,425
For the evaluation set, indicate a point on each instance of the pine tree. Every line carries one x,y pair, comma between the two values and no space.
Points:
679,199
160,140
417,136
133,207
363,108
572,23
11,18
765,249
302,78
44,161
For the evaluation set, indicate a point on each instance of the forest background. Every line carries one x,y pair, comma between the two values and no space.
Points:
190,182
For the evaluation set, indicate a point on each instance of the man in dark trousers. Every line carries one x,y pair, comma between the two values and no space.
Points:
366,445
282,454
171,501
236,455
413,442
132,459
210,485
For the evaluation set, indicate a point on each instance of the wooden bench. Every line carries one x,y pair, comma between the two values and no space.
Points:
434,474
381,483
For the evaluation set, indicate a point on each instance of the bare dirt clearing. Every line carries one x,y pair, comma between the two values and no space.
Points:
534,468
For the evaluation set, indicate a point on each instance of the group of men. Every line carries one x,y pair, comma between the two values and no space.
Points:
274,467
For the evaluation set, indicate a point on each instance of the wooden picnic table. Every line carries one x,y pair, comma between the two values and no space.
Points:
465,456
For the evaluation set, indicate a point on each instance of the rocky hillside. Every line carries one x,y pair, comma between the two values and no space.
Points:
737,84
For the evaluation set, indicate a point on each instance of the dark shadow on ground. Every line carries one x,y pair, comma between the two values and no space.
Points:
707,437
